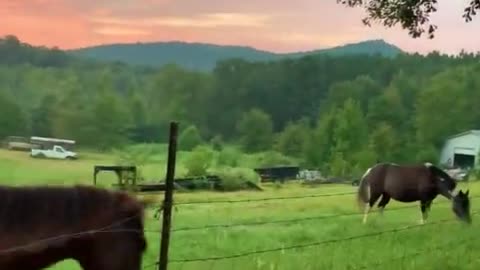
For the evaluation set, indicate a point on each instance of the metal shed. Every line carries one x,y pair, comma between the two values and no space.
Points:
461,150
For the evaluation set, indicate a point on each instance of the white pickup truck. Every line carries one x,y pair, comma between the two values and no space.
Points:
57,152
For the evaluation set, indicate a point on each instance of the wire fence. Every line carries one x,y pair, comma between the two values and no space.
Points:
150,265
294,220
306,219
269,198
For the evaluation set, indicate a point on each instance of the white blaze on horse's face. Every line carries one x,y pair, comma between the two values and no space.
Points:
453,193
428,164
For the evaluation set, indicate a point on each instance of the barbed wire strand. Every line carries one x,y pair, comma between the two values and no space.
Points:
150,265
286,221
365,266
72,235
319,243
268,199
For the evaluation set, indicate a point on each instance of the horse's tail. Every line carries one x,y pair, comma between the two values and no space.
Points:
363,193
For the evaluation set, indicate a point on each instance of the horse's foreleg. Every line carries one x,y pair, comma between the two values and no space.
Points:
365,212
383,202
425,208
373,198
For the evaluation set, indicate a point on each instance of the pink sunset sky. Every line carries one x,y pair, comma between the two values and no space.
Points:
275,25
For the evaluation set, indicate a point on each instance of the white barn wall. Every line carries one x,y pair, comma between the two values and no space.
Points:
465,143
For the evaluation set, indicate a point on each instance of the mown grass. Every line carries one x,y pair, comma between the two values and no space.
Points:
447,245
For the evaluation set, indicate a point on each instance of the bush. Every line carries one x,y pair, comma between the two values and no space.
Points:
229,156
189,138
234,179
199,161
217,143
273,158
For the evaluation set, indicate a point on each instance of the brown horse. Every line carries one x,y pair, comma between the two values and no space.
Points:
409,183
40,226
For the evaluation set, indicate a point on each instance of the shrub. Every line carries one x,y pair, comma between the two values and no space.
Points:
189,138
273,158
234,179
217,143
229,156
199,161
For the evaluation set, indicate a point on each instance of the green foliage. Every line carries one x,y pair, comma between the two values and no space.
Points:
138,155
229,156
189,138
199,161
217,142
455,91
384,142
12,119
255,129
273,158
338,165
293,140
109,122
234,179
43,115
366,108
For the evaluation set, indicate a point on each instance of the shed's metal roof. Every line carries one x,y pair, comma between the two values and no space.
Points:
475,132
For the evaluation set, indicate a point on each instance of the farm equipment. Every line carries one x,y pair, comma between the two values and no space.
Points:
127,179
282,173
127,175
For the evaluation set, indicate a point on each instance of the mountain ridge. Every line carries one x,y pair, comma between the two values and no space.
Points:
204,56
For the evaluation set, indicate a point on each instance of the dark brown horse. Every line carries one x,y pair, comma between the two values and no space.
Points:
409,183
40,226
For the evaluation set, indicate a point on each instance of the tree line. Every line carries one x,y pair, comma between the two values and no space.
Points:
339,113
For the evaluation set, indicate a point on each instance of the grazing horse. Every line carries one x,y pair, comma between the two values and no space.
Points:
41,226
409,183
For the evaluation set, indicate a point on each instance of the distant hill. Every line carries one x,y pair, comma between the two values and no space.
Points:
200,56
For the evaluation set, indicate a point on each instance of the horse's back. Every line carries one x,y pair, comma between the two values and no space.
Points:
68,217
409,182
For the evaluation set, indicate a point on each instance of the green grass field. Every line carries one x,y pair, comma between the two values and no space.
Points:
446,245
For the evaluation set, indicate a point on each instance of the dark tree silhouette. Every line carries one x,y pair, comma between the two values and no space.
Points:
413,15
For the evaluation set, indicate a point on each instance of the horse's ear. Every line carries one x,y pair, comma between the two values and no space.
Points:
468,191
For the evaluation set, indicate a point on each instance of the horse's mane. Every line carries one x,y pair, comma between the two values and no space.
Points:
25,209
441,174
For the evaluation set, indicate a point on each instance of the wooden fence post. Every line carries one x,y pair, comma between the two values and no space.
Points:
168,200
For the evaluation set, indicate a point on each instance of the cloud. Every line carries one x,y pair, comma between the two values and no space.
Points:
212,20
121,31
267,24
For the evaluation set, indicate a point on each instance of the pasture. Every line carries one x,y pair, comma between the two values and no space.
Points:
322,234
